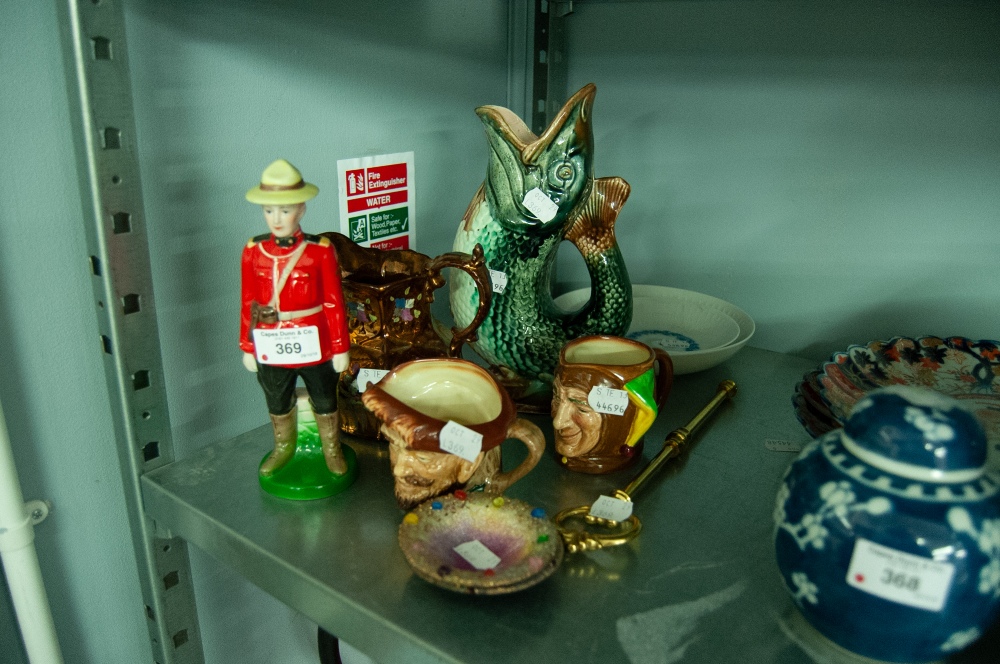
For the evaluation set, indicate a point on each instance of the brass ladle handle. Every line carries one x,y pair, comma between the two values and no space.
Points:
583,540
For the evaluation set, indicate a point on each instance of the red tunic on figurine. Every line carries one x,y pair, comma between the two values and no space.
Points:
308,295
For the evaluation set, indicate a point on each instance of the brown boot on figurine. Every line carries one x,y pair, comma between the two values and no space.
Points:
328,426
285,436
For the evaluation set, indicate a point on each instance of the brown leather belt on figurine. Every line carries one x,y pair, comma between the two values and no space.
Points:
262,313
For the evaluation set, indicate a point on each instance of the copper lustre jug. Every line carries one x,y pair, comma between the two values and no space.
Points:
389,295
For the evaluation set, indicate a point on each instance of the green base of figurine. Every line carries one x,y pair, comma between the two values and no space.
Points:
306,476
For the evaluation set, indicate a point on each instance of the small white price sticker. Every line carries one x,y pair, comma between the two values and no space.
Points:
366,376
460,440
899,577
477,554
614,509
674,345
499,280
287,345
540,205
608,400
782,445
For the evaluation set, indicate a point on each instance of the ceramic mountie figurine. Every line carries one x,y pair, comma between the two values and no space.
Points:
888,530
416,401
292,319
539,191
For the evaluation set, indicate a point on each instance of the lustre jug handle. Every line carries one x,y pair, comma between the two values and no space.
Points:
475,267
533,438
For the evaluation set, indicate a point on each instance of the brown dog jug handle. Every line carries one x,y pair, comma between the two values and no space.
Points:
664,377
475,267
534,440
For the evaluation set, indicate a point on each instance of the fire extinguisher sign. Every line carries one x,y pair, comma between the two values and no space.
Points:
377,200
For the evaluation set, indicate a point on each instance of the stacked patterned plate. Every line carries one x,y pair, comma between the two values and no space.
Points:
961,368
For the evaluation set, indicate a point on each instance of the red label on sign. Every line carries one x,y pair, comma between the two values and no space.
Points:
390,176
378,201
402,242
355,182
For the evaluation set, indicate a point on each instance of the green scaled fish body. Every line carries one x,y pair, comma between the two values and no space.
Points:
525,330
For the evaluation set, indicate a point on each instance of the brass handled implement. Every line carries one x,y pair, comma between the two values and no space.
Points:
621,532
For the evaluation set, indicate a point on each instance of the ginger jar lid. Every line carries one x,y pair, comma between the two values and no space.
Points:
916,433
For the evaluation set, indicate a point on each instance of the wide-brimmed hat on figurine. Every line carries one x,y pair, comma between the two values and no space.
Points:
281,184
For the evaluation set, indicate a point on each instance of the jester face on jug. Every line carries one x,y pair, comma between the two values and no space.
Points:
606,394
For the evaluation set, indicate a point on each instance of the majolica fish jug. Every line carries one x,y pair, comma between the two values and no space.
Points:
540,191
888,530
388,295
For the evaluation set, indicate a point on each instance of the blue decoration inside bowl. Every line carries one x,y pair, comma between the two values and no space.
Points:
665,340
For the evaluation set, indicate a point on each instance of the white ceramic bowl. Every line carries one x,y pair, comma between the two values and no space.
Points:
687,325
662,316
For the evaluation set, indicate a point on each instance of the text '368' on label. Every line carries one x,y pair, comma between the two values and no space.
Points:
898,576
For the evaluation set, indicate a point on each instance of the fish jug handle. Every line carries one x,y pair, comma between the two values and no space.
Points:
475,266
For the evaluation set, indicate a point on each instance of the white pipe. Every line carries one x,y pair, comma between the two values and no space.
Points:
20,563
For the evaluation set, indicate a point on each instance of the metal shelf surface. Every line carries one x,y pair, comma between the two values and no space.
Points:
698,585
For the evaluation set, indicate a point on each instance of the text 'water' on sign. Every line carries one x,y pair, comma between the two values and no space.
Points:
375,201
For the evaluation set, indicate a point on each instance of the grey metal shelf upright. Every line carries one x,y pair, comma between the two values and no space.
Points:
96,53
93,36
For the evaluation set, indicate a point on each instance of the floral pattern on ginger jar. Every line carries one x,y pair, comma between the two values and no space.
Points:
887,532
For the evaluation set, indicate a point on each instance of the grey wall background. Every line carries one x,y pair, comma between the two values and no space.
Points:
831,167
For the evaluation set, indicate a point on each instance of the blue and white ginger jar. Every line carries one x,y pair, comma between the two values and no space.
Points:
888,531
